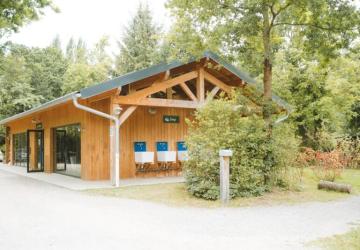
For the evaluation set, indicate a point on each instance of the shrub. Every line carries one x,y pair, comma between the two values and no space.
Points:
222,124
287,172
350,148
325,165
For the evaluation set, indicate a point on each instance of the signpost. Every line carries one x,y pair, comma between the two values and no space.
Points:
225,175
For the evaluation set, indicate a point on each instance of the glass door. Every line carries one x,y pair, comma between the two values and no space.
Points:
67,150
60,150
35,151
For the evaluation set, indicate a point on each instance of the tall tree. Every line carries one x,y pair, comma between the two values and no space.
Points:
258,27
47,67
14,14
16,93
86,67
140,46
302,82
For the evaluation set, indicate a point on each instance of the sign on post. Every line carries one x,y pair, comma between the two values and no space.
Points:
225,175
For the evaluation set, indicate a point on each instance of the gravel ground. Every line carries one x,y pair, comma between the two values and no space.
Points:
37,215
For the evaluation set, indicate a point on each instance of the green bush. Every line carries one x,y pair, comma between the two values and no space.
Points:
257,162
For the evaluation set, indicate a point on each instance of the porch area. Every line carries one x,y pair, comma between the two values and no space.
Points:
78,184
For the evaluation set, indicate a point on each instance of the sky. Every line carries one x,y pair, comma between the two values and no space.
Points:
88,19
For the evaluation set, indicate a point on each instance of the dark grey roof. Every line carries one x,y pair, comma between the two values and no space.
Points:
127,79
144,73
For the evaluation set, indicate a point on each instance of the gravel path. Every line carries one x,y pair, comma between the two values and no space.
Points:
36,215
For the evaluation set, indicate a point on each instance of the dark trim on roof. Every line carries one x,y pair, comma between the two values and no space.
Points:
127,79
144,73
241,74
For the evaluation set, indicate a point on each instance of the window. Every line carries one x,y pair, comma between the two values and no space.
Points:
20,149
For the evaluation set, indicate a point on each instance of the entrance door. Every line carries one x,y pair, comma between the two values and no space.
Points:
67,150
35,151
60,150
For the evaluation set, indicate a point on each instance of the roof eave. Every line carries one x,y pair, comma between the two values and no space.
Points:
42,107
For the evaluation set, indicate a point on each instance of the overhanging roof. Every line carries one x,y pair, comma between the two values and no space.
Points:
139,75
44,106
153,70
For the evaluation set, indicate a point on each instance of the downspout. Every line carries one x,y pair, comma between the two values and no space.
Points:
115,178
283,118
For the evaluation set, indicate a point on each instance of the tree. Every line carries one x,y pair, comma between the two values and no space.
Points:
259,27
16,93
140,46
86,67
354,122
14,14
342,83
302,82
217,125
76,51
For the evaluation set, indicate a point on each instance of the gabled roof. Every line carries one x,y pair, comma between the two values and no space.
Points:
142,74
153,70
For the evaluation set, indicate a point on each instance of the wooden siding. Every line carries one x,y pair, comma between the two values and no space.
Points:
143,126
190,87
94,136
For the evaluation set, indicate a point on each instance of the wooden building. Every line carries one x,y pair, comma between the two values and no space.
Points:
133,125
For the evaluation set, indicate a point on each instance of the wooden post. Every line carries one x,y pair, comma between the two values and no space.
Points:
225,175
200,86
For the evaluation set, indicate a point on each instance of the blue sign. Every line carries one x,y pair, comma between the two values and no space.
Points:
162,146
140,146
181,146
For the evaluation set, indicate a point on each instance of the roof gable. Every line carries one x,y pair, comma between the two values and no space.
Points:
153,70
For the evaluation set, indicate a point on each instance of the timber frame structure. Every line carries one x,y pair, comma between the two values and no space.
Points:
138,101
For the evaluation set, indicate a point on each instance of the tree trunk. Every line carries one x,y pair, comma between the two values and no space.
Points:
267,80
339,187
267,97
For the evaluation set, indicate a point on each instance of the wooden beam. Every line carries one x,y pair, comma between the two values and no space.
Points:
200,85
188,91
217,82
212,93
159,102
169,93
103,96
161,86
126,114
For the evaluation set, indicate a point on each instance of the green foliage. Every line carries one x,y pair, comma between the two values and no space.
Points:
354,121
286,150
350,147
16,92
47,67
236,27
31,76
86,67
256,160
303,84
140,46
14,14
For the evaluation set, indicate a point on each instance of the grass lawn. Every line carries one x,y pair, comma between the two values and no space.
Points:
176,194
348,241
